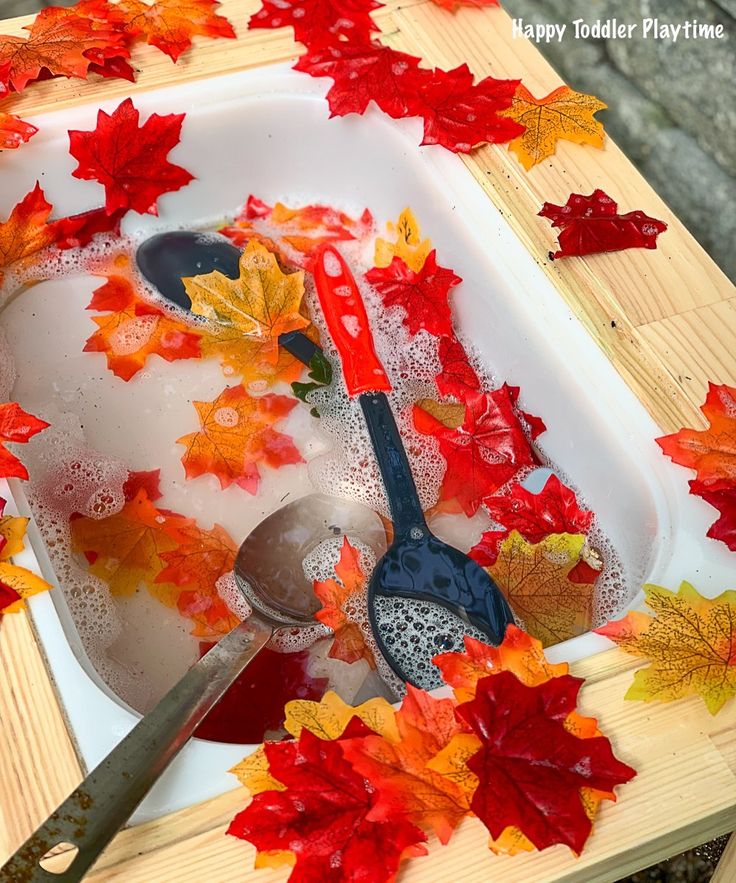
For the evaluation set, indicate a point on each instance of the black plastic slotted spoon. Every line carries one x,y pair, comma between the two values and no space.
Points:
424,594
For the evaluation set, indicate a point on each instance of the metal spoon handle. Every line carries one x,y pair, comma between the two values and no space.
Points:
93,813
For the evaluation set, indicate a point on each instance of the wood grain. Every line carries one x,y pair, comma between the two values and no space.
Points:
665,319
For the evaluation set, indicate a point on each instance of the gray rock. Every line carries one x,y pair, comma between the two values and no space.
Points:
694,80
698,190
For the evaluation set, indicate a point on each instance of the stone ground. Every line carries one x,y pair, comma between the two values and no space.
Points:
672,109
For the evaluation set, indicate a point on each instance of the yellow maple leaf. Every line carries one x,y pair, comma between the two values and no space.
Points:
21,581
328,718
13,529
407,243
262,303
535,579
253,772
562,115
250,358
690,644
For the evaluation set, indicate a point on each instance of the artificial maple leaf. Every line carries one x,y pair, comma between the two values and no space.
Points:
316,22
59,41
236,435
482,453
690,644
329,718
252,772
349,643
423,295
406,786
26,231
125,549
211,618
12,531
253,708
535,578
323,816
554,509
406,243
16,425
262,303
722,496
169,25
147,481
16,585
134,329
519,653
130,160
457,376
460,115
562,115
363,72
530,767
295,233
79,230
591,224
14,131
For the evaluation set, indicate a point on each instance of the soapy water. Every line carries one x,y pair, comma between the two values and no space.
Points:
70,476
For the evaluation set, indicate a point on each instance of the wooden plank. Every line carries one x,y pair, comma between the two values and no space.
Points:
726,870
645,310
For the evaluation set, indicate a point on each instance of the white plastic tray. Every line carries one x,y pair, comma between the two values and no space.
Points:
267,131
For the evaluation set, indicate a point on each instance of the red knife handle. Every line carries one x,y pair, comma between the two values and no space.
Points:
347,322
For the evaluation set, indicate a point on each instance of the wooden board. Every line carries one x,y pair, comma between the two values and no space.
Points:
665,319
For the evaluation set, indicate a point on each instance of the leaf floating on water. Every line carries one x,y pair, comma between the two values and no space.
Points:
711,453
562,115
406,243
16,425
689,642
26,230
236,436
535,578
591,225
135,329
320,375
130,160
457,377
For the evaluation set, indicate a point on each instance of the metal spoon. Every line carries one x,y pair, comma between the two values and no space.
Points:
445,593
93,813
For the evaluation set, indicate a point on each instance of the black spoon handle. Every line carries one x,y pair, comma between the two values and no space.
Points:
299,345
403,499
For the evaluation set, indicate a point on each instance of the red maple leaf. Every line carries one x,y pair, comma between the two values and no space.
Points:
591,224
60,42
169,25
365,72
722,496
16,426
130,160
531,768
145,481
323,817
460,115
316,22
457,377
423,295
253,707
554,509
79,230
454,5
482,454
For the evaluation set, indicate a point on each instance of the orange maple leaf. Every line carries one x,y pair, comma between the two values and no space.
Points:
236,435
16,425
250,358
169,25
349,643
399,770
125,549
710,452
454,5
59,41
562,115
535,577
134,329
14,131
27,230
690,644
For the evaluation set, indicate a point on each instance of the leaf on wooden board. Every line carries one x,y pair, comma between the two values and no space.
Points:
689,642
316,22
16,585
329,717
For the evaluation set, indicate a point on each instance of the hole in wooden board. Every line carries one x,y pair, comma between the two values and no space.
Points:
60,858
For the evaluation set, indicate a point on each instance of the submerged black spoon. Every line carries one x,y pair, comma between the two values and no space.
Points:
419,567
